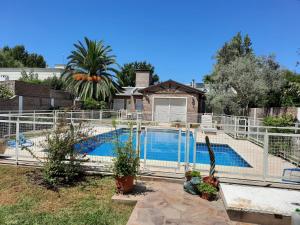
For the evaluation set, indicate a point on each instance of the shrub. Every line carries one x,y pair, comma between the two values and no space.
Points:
63,161
5,92
279,121
126,161
207,188
279,144
91,103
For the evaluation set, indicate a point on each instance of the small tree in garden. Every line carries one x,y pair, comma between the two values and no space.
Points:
63,158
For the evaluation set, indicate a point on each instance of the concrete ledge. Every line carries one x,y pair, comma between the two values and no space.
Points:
258,218
261,205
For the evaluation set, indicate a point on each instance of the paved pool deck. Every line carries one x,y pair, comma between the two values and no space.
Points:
162,203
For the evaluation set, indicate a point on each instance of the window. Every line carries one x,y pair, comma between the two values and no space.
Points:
118,104
139,104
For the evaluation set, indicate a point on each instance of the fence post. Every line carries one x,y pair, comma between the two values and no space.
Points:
265,156
194,147
248,125
235,130
33,120
54,118
137,142
188,146
145,147
179,147
100,115
9,119
17,140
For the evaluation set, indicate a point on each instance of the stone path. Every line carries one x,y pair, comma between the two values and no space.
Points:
165,203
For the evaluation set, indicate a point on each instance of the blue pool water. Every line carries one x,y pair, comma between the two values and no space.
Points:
163,145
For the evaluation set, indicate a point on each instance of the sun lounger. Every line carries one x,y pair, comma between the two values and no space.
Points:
23,142
207,124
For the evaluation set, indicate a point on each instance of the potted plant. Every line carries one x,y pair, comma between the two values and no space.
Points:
125,164
2,146
211,180
192,173
207,191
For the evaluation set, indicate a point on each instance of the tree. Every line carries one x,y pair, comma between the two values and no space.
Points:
241,80
7,60
90,72
245,82
291,93
237,47
126,77
19,57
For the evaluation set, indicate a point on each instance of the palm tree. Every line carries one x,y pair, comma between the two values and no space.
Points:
90,72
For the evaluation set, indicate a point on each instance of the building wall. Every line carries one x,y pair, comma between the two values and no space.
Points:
43,73
35,97
132,101
142,79
193,106
275,111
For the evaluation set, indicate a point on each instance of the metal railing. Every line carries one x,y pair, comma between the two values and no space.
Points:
243,148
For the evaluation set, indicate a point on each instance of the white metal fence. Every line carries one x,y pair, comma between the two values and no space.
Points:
243,148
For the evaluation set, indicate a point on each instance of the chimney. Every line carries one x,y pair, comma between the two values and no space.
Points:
193,83
142,78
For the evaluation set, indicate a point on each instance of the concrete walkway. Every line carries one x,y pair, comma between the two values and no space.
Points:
162,203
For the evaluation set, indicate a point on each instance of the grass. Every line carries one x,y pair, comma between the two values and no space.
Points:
23,202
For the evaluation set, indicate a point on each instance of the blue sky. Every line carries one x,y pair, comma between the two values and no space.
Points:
178,37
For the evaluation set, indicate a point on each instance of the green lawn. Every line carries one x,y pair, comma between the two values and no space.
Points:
23,202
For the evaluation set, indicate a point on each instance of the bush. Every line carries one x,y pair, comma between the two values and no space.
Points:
54,82
91,103
5,92
279,144
63,164
63,160
279,121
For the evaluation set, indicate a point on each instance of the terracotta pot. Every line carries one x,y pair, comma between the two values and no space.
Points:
124,184
211,180
207,196
188,178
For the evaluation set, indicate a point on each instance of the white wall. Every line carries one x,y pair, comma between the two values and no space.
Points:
43,73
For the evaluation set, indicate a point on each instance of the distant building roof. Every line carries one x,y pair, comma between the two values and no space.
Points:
31,69
183,86
128,91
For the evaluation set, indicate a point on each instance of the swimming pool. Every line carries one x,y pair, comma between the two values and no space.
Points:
163,145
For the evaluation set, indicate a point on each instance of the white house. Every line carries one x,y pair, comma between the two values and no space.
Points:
43,73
